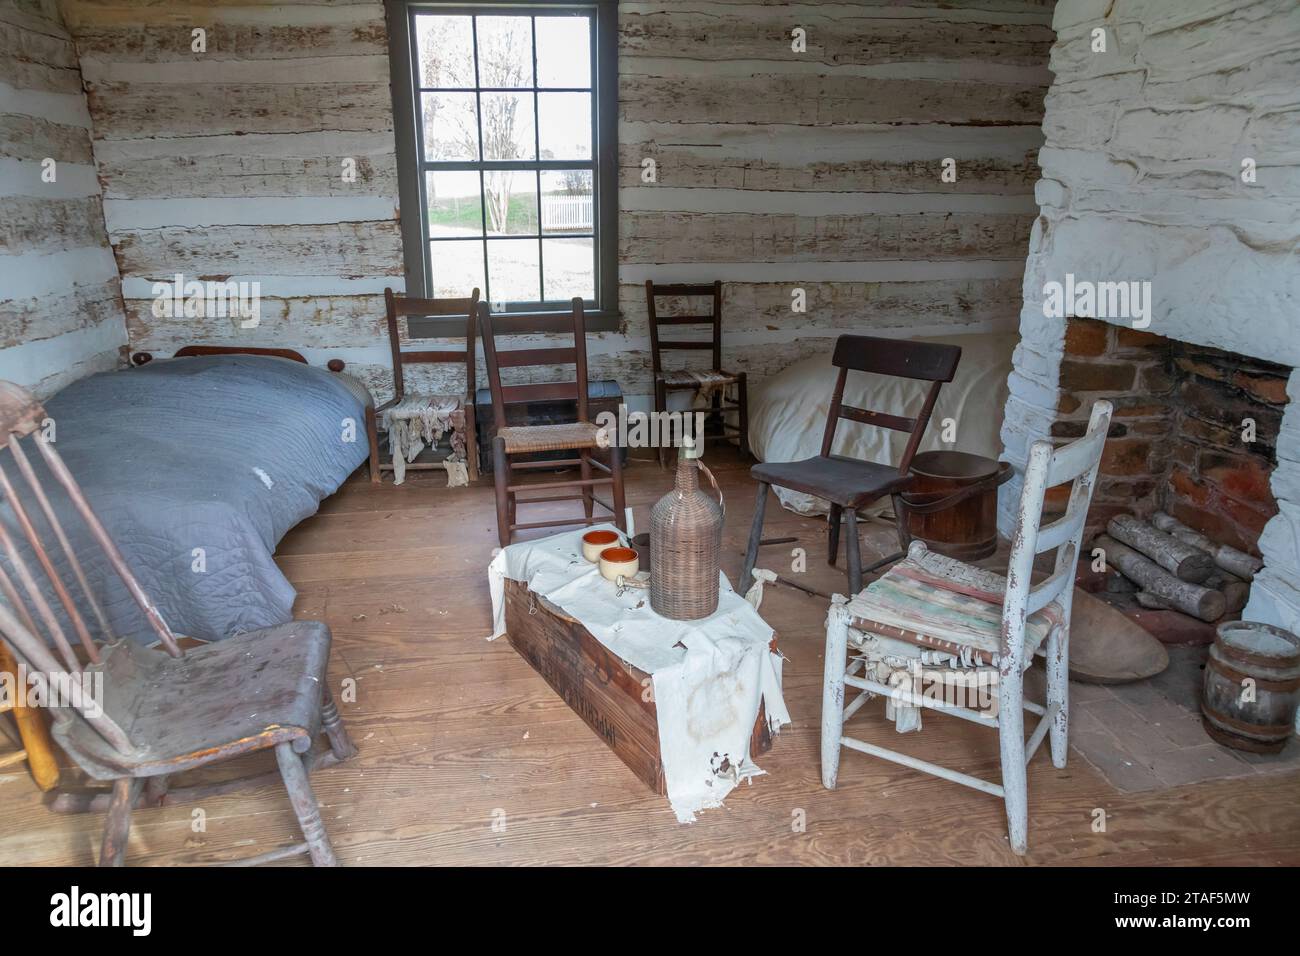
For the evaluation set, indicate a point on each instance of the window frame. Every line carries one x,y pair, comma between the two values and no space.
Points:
602,312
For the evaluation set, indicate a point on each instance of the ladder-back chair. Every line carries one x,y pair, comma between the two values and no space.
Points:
713,381
579,436
848,483
937,611
449,412
148,713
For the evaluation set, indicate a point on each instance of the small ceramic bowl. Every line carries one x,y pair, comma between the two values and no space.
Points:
594,542
618,563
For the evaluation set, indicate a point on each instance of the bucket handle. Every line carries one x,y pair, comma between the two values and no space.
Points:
988,482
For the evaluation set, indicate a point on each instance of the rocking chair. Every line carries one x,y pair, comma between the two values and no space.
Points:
159,712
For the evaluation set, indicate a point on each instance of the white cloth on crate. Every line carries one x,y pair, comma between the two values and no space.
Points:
709,676
419,420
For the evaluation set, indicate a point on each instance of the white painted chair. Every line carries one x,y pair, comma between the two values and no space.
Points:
930,610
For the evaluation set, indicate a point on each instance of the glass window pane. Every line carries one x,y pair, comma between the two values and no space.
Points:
567,201
457,268
450,126
570,268
513,270
446,51
455,204
564,51
508,126
505,52
566,125
511,197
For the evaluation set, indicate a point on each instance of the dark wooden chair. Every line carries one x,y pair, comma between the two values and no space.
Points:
847,483
457,409
714,380
160,712
579,436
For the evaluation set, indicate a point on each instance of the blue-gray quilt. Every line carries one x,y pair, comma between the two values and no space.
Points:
198,467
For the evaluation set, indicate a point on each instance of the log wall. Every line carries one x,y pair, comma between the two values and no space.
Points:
228,164
60,303
775,169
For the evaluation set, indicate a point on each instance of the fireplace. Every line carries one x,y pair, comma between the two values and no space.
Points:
1195,430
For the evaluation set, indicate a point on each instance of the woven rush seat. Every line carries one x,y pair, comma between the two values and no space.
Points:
529,438
943,604
689,378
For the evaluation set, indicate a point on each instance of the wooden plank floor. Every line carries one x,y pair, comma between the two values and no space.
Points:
467,757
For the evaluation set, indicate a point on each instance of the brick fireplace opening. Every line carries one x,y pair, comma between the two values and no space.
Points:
1194,434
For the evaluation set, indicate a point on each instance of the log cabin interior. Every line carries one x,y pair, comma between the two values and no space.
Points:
708,432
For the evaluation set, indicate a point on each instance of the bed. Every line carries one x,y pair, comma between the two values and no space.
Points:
198,466
787,415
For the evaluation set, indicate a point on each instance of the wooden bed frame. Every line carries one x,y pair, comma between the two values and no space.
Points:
142,358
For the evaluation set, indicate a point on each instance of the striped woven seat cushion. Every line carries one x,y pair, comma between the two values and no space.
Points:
526,438
686,378
924,603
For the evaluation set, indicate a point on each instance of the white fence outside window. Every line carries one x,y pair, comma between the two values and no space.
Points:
566,213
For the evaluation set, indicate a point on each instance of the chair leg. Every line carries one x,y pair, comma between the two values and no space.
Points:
588,501
304,805
833,522
742,413
853,551
620,499
501,476
117,828
755,537
1058,691
337,734
372,435
1011,739
900,522
837,643
665,437
471,443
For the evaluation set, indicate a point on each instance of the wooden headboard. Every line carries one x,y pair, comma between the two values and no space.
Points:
189,350
140,358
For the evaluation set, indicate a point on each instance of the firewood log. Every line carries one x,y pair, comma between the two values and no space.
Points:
1149,600
1235,591
1181,559
1243,565
1182,595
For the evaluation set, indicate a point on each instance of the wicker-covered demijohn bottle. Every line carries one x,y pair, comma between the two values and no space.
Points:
686,543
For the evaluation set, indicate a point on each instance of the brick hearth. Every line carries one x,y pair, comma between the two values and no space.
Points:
1176,437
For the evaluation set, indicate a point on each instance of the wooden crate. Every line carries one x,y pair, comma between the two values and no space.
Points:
610,695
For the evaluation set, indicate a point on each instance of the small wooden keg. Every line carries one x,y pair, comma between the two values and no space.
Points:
1252,686
952,503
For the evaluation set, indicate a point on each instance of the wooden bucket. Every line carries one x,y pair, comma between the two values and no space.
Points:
1252,686
952,502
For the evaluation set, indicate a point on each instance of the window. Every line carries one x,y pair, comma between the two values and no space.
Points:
506,148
